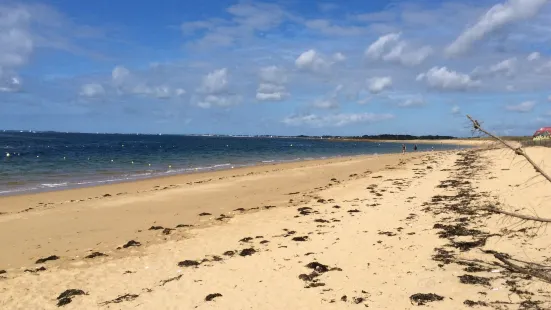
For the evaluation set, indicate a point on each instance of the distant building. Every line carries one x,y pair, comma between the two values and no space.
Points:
543,133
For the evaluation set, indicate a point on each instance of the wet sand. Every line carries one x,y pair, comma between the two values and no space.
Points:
392,232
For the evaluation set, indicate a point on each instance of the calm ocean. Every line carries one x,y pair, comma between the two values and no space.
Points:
33,162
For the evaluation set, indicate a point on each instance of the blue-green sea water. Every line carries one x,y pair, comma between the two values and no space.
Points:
31,162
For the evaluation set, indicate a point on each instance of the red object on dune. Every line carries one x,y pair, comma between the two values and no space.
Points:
544,131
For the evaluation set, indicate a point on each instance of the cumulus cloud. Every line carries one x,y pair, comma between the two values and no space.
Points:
246,18
16,45
339,57
159,92
215,90
444,79
330,101
533,56
391,48
524,107
497,17
272,84
219,101
9,83
215,82
312,61
505,68
378,84
335,120
329,28
92,90
128,83
119,75
412,103
381,45
456,110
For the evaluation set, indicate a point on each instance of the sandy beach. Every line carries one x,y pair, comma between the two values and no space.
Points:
464,142
384,232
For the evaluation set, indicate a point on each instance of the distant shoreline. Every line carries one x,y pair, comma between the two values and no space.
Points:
468,142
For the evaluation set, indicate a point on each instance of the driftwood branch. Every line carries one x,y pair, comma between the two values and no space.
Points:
520,216
519,151
528,271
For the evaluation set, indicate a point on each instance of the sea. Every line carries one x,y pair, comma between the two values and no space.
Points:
45,161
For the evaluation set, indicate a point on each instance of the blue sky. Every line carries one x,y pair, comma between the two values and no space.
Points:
275,67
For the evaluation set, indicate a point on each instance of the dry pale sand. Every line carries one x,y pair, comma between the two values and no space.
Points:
358,232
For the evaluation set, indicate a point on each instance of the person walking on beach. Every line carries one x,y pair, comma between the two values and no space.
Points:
403,148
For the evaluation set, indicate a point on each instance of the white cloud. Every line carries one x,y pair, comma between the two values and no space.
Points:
160,92
335,120
219,101
271,87
411,57
533,56
16,45
271,92
412,102
524,107
499,16
92,90
120,75
311,60
381,45
338,57
128,83
273,75
506,67
215,90
179,92
9,83
456,110
329,28
444,79
277,96
378,84
392,49
16,42
215,82
247,18
331,101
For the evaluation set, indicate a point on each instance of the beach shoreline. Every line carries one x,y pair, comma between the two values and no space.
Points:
383,232
195,171
458,142
268,186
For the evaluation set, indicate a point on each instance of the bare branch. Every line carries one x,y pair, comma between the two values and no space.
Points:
517,150
516,268
520,216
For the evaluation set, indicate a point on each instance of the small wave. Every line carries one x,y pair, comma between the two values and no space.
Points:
221,165
53,185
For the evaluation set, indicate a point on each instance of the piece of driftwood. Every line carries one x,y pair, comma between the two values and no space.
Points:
528,271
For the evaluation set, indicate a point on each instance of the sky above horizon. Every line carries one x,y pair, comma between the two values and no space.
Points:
285,67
